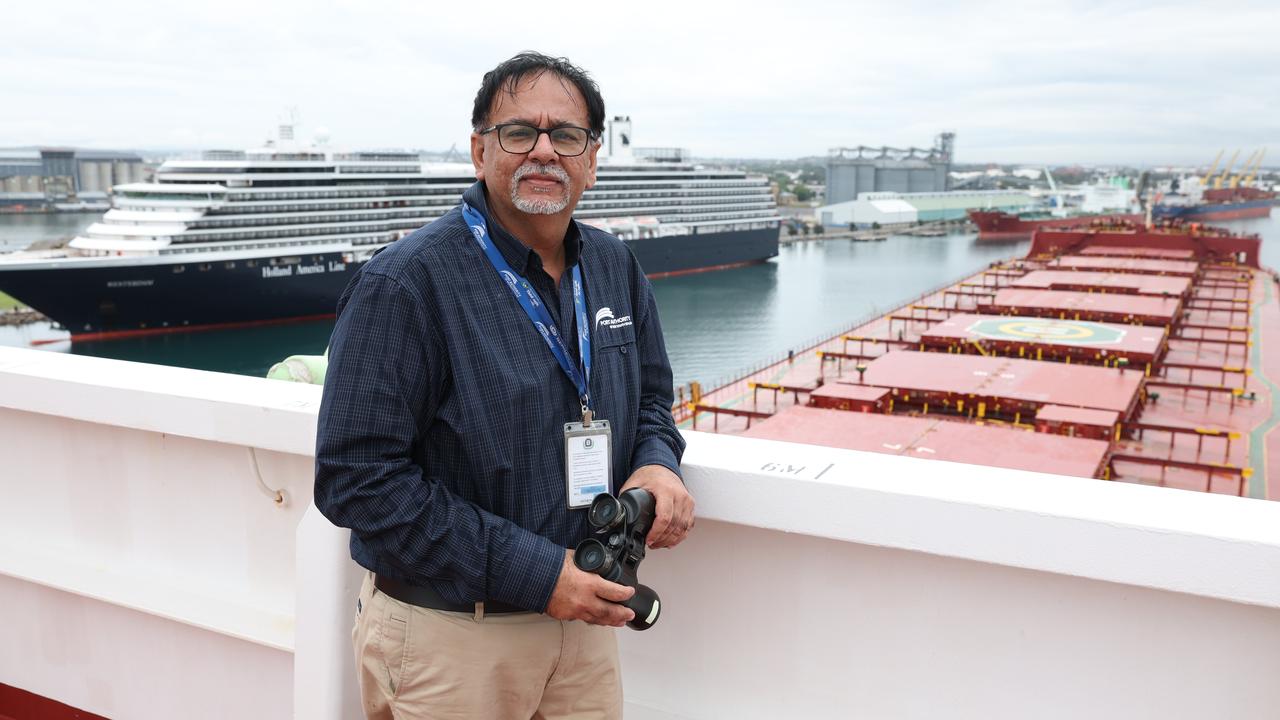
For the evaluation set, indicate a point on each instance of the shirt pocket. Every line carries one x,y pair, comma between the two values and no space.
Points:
615,387
615,357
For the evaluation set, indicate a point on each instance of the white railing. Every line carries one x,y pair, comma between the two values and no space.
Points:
146,571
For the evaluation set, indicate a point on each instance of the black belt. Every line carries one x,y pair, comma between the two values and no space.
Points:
427,598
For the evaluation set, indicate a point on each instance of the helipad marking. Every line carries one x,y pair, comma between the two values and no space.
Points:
1074,332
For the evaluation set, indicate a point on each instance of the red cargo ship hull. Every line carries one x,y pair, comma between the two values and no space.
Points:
998,225
1127,354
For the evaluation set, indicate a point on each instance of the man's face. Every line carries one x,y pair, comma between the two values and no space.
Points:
540,181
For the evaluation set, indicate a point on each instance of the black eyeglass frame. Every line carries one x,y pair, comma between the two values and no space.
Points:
540,132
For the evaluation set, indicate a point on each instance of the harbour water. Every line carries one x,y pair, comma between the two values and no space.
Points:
715,324
18,230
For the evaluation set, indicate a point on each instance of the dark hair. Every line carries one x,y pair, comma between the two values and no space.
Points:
507,76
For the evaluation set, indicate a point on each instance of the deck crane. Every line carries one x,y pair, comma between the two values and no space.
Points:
1217,182
1253,172
1235,179
1209,175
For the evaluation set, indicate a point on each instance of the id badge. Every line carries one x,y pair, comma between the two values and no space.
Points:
587,461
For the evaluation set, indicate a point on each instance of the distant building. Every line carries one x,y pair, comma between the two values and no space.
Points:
44,177
881,209
863,169
889,208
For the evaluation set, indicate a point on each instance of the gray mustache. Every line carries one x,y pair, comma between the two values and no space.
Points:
535,169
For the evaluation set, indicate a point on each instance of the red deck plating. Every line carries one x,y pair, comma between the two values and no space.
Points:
1091,342
1142,266
936,439
839,396
1127,251
1099,307
1105,282
1005,385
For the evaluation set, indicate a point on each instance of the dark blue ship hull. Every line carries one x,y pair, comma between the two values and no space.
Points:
1215,211
137,298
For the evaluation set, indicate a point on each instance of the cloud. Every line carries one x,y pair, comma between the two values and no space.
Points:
1133,82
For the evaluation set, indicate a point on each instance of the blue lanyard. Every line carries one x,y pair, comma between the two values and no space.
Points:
537,312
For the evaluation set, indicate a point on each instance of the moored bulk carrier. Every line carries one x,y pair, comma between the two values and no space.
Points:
1217,197
1146,355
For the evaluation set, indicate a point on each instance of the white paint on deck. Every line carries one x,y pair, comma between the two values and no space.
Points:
144,574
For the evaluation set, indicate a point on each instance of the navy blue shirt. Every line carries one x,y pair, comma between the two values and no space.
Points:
440,442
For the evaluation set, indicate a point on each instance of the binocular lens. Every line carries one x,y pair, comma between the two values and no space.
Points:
591,556
606,512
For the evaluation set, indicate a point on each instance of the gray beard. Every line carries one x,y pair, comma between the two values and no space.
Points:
539,206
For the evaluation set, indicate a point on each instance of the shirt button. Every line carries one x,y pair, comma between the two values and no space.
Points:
623,349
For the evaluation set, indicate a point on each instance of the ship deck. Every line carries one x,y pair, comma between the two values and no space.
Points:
1116,281
1150,363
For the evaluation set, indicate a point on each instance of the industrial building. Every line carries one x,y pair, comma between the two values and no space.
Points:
891,208
43,178
862,169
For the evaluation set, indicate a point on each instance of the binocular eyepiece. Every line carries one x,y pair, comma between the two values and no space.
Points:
614,553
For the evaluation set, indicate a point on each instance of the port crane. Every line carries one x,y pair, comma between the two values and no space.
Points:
1208,177
1217,182
1251,171
1235,179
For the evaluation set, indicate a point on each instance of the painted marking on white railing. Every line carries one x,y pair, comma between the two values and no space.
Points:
797,471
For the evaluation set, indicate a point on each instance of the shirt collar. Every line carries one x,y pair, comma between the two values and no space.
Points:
518,255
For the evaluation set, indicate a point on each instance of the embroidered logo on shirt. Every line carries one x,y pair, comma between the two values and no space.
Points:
604,316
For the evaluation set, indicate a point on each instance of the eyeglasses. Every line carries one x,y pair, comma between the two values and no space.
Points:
519,138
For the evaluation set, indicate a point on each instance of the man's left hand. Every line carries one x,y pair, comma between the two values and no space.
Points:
673,505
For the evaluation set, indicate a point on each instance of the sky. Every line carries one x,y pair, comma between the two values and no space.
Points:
1019,81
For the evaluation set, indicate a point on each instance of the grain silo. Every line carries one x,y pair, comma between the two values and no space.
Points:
862,169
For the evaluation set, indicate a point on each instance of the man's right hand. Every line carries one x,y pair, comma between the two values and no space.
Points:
588,597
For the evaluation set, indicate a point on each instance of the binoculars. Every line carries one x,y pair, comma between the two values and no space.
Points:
614,553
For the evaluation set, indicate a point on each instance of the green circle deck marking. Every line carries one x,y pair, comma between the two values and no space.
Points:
1071,332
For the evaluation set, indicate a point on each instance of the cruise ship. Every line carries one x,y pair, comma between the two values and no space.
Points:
273,234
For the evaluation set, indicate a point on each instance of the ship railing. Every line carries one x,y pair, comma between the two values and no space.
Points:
160,521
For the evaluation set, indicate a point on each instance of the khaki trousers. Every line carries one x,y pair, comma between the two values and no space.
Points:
417,663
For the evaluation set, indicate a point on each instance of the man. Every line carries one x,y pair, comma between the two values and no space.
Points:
466,359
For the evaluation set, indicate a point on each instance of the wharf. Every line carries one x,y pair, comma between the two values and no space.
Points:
930,229
1181,390
20,316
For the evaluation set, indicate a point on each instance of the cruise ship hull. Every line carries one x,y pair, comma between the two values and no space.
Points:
686,254
130,299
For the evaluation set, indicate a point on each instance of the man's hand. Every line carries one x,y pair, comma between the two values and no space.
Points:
673,505
586,596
